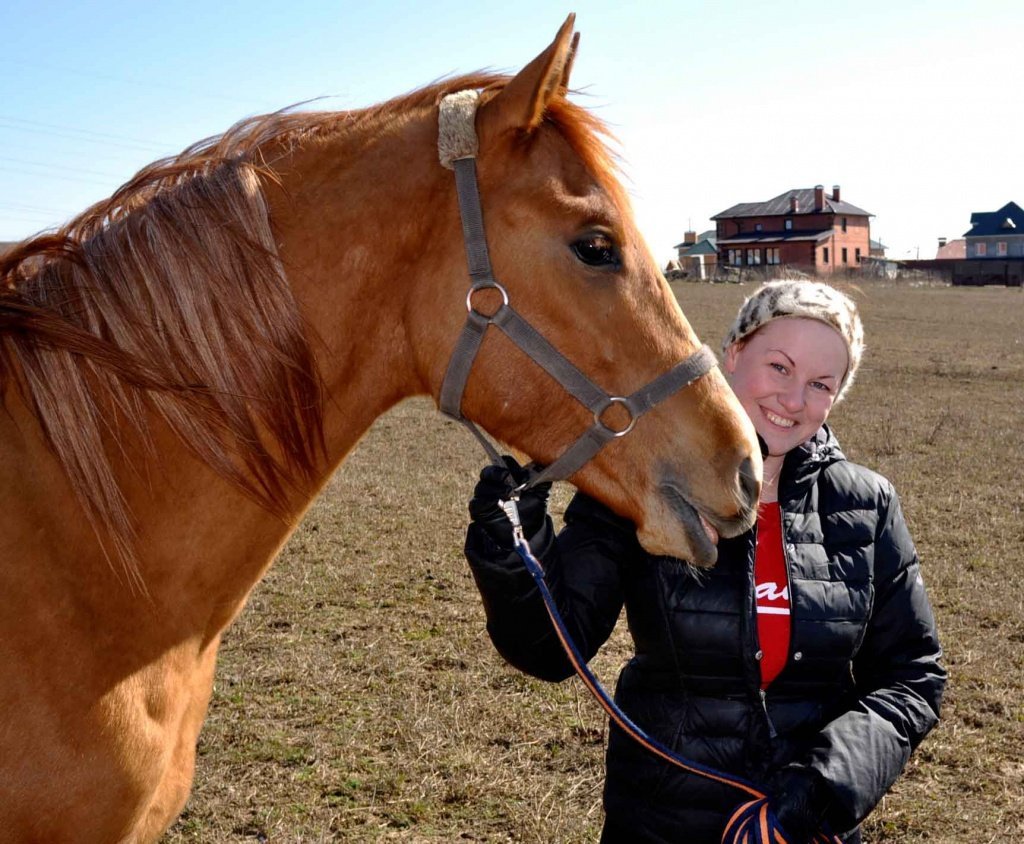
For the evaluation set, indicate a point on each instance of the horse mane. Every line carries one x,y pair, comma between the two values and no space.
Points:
169,298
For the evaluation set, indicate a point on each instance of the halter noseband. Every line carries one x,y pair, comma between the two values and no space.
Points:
457,148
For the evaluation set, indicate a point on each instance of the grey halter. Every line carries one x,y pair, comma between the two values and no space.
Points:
457,147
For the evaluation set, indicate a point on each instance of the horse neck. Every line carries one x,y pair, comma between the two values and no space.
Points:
363,255
355,235
359,231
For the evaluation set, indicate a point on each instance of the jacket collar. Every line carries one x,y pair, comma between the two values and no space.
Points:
804,462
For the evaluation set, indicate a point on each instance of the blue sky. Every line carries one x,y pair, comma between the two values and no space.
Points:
912,107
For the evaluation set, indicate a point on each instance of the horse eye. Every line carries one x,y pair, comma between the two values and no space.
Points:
596,250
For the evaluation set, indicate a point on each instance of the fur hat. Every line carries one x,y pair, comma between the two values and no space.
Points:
808,299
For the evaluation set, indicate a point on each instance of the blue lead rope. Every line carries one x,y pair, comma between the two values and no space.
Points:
753,822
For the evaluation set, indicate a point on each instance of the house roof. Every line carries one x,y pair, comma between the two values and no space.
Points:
701,247
710,234
780,205
1008,220
953,249
771,238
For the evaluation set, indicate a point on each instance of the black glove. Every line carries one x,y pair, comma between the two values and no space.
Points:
800,800
496,483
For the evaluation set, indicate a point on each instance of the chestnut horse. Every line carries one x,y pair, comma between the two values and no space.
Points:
184,365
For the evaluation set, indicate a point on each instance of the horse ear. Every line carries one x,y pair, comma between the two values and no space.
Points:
521,103
563,86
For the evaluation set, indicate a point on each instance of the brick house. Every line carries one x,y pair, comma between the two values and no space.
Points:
951,249
996,234
803,227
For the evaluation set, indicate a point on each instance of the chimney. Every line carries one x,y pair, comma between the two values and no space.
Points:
819,198
835,193
690,238
794,204
942,242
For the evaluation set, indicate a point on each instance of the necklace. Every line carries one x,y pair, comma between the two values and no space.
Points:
769,492
771,480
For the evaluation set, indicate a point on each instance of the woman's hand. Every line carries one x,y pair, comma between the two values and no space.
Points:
800,800
496,484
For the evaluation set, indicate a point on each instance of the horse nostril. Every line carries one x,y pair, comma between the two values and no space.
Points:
748,482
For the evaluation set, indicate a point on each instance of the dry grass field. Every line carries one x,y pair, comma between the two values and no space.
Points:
358,697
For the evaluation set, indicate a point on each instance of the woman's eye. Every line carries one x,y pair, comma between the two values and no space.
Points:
819,385
596,250
778,367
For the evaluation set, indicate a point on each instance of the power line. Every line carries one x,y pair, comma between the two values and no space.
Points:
32,209
20,124
49,166
35,218
149,85
58,177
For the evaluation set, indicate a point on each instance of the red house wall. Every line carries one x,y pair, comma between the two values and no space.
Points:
807,253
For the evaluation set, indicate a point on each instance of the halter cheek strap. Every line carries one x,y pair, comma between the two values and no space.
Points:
457,147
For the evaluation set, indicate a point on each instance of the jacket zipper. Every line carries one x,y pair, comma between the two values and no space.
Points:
790,651
762,694
764,706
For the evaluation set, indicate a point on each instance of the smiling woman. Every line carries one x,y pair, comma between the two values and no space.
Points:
805,660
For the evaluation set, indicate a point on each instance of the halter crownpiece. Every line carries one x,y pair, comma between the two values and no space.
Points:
457,147
456,132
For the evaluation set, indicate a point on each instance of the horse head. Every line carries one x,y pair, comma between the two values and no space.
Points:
567,251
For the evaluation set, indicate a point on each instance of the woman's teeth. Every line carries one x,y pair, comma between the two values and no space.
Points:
778,420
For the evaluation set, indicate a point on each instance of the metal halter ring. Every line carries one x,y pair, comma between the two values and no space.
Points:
483,285
600,412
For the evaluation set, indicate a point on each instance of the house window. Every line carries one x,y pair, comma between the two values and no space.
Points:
844,223
980,250
844,254
789,225
824,254
736,257
758,227
753,257
1001,248
856,254
771,256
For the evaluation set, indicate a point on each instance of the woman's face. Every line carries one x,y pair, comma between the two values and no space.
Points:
787,375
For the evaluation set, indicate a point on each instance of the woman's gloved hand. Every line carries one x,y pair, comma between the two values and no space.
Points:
496,484
800,800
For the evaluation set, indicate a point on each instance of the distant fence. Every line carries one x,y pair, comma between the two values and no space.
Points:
957,271
974,272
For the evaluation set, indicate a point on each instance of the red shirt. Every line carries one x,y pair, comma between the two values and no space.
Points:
772,593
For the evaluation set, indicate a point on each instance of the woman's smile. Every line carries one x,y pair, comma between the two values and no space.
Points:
775,419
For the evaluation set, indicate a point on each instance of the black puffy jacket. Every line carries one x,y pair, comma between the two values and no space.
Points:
861,688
